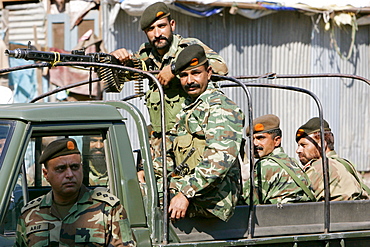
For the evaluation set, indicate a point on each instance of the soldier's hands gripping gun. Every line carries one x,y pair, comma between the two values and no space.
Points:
113,79
183,169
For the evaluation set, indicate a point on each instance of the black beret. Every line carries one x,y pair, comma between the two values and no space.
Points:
153,13
58,148
265,123
312,126
191,57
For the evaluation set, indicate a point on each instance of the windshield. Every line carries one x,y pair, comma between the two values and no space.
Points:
6,132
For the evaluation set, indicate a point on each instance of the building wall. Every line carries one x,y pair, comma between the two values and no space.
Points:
26,22
284,43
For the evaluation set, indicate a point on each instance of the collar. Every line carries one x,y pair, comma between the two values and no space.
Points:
210,90
83,197
331,153
276,151
308,165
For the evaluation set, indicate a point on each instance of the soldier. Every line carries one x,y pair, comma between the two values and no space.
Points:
206,141
98,174
71,214
278,178
344,181
159,54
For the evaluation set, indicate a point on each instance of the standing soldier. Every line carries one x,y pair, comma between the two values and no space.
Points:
206,139
71,214
278,178
344,181
159,53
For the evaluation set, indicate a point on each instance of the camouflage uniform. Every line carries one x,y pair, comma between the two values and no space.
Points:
174,94
343,185
273,184
213,184
96,219
97,177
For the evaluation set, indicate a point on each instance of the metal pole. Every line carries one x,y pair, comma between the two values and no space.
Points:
325,163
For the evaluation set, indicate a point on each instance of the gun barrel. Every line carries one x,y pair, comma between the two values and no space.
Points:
29,54
17,53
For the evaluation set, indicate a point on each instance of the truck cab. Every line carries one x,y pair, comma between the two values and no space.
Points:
25,131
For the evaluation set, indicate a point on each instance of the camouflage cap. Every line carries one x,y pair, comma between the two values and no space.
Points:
191,57
312,126
58,148
153,13
265,123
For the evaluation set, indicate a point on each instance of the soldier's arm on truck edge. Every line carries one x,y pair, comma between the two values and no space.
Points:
222,148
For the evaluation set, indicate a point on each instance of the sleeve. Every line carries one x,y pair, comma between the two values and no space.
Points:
20,235
119,230
216,61
223,134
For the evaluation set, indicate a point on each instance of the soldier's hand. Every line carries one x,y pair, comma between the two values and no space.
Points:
141,176
122,55
178,206
165,75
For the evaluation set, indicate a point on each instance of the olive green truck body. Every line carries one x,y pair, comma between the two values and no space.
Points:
26,126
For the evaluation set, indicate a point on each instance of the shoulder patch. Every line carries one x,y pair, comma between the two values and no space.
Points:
216,100
101,194
32,204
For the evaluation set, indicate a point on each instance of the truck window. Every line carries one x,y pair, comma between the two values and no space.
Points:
92,156
32,184
6,129
9,225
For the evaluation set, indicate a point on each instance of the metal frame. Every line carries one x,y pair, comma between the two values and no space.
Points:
244,85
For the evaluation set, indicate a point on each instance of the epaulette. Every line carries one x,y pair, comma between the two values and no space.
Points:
32,204
184,42
215,100
101,194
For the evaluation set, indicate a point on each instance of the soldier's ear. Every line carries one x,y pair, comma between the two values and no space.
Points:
173,25
277,141
45,172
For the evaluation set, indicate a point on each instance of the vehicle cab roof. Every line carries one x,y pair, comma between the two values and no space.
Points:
60,111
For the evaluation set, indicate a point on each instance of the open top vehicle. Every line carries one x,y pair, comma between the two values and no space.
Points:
27,128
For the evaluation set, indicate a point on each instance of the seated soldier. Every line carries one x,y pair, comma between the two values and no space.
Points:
206,142
277,177
344,181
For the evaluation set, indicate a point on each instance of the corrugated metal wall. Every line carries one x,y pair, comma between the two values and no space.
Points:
23,20
284,43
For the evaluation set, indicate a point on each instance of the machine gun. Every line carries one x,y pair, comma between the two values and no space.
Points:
113,79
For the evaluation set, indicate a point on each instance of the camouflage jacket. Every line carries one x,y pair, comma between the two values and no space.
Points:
273,184
343,185
214,182
174,94
96,219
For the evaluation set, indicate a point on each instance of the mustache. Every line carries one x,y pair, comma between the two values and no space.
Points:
159,38
258,148
193,84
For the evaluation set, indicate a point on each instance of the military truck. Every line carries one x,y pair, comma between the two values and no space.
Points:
27,128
